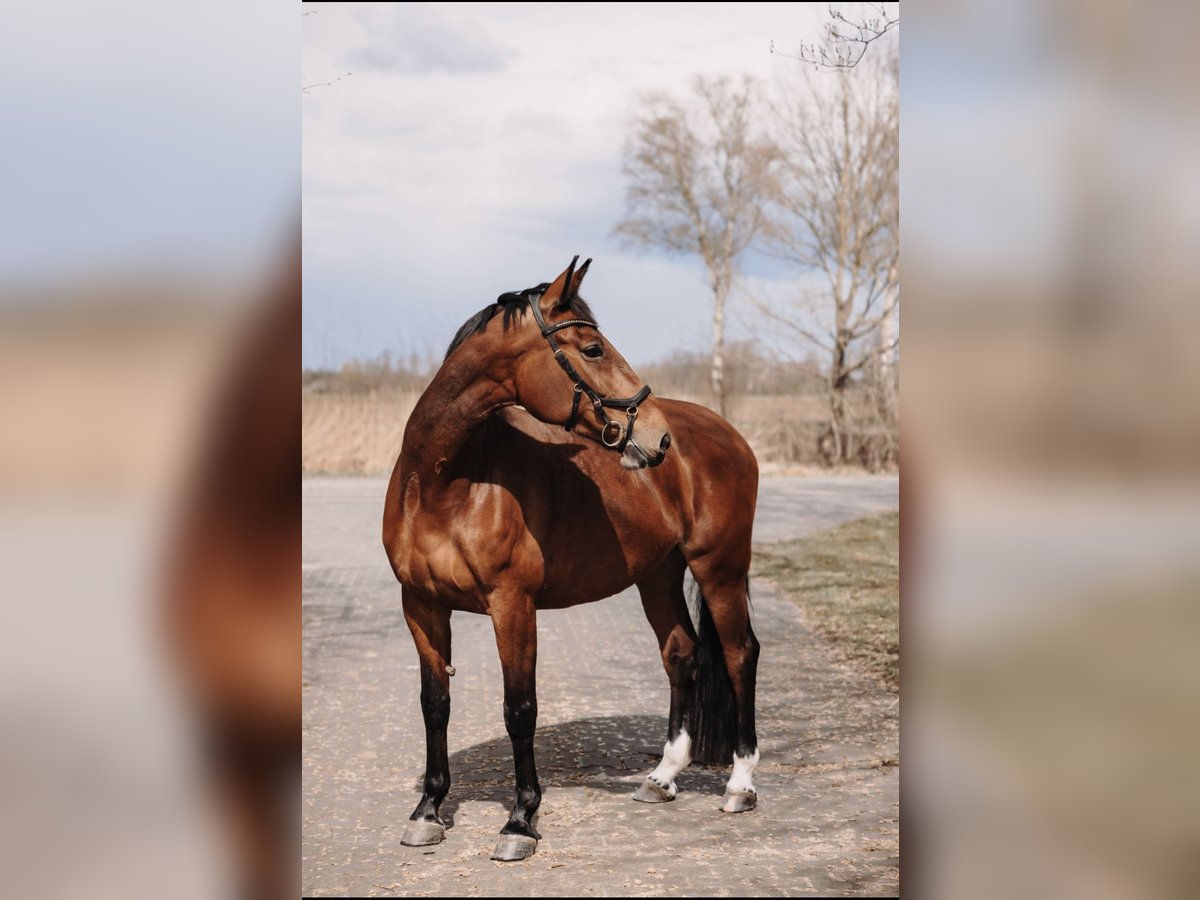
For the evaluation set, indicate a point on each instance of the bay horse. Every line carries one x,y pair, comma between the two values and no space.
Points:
493,508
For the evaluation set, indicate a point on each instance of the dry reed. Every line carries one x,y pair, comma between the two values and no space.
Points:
351,433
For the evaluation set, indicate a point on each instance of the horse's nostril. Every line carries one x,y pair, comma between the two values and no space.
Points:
665,443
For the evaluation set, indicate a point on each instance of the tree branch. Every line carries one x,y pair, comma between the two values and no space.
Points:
843,48
308,87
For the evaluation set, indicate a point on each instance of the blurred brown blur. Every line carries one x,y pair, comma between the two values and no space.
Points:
1052,498
233,594
149,500
149,350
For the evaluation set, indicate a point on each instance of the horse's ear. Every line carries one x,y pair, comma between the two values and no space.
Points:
558,295
575,283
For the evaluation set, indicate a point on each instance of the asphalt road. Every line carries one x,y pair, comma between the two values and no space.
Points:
828,820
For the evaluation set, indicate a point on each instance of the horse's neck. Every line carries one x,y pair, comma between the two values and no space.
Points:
457,402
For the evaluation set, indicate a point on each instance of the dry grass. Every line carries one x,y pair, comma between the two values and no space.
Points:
357,433
847,582
354,434
781,429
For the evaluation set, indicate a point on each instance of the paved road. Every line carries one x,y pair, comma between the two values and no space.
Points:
828,817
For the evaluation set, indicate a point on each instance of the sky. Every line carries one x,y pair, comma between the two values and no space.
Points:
476,148
139,137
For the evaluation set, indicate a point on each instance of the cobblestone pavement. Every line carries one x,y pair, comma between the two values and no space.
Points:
828,819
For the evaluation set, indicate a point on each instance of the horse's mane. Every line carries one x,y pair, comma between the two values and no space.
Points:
513,303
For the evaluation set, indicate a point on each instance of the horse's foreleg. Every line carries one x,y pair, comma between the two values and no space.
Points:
430,626
515,622
666,610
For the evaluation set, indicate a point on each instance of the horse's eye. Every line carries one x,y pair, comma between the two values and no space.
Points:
595,351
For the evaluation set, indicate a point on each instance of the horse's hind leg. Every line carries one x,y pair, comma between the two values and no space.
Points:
666,609
726,592
430,626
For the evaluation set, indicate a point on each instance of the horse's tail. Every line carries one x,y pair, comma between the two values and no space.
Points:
713,719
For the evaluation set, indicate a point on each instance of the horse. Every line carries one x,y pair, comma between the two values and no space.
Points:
512,495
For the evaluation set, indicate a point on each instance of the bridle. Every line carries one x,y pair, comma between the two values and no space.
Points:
612,434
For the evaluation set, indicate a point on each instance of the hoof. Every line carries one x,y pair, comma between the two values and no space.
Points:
513,847
422,834
653,792
739,801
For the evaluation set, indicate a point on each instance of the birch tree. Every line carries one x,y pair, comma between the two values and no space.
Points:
837,219
698,171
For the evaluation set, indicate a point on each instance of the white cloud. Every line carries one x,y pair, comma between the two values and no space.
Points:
431,178
416,39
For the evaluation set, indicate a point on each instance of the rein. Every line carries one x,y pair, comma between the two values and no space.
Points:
612,434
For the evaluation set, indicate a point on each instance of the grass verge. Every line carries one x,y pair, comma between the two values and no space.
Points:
847,582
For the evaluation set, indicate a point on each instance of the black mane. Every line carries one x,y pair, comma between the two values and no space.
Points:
513,303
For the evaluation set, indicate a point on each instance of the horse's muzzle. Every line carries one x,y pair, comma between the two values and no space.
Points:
635,457
663,446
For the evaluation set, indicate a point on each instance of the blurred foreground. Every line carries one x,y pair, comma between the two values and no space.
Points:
149,500
1051,501
149,512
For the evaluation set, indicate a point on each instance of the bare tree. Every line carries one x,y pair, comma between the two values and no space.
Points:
847,37
698,172
837,219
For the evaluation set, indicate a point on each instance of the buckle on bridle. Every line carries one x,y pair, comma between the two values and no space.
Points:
620,433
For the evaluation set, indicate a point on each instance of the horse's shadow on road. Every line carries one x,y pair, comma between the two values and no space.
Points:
609,753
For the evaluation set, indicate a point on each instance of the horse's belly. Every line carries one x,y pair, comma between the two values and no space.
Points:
585,578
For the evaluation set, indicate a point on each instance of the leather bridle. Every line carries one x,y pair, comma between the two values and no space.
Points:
612,434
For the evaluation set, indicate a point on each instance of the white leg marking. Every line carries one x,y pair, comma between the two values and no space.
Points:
743,772
676,756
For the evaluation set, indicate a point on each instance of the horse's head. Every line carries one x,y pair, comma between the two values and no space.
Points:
568,374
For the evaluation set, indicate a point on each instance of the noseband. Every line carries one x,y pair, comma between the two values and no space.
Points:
611,433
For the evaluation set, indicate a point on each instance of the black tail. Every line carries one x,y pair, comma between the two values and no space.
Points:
713,719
